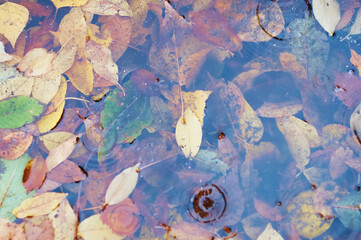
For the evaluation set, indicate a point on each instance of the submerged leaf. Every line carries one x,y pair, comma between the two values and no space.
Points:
92,228
348,211
122,185
270,234
188,133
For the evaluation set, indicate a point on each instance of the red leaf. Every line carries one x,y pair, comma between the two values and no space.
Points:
34,174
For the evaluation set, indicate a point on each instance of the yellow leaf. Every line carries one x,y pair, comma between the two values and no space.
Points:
69,3
93,228
108,7
81,75
105,42
44,88
54,139
310,131
36,62
297,141
13,19
188,133
196,101
269,234
250,125
49,121
58,154
64,221
15,86
306,220
122,185
39,205
327,13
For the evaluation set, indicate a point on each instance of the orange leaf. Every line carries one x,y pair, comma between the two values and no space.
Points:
34,174
356,60
15,144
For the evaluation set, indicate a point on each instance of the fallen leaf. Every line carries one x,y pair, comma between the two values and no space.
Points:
186,231
264,209
69,3
64,221
122,185
92,228
54,139
251,127
18,111
348,210
122,218
9,230
356,26
81,75
66,172
3,55
269,233
108,7
356,60
40,205
337,164
307,221
38,227
14,145
347,88
196,101
45,88
332,135
276,110
188,133
61,152
327,13
36,62
13,19
34,174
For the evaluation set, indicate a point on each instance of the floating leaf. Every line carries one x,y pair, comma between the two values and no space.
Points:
186,231
212,160
122,185
18,111
81,75
34,174
69,3
13,19
64,221
66,172
327,13
36,62
39,205
307,221
356,60
348,211
15,144
196,101
3,55
108,7
264,209
332,135
54,139
188,133
92,228
269,234
273,110
12,191
356,26
9,230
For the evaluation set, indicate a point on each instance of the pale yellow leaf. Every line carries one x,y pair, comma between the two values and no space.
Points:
269,234
188,133
297,141
13,231
54,139
69,3
276,110
92,228
3,55
250,125
108,7
64,221
196,101
327,13
13,19
58,154
122,185
39,205
44,88
81,75
36,62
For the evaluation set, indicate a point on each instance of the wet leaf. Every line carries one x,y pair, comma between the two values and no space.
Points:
348,211
337,162
15,144
264,209
356,26
250,125
12,191
36,62
13,19
122,218
108,7
196,101
39,205
12,83
254,225
3,55
277,110
188,133
54,139
64,221
211,160
122,185
355,122
307,221
270,234
347,88
45,88
9,230
50,120
332,135
58,154
66,172
186,231
81,75
92,228
69,3
34,174
327,13
316,175
18,111
356,60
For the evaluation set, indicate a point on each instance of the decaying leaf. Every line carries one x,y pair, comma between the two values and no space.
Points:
9,230
356,59
34,174
92,228
122,185
36,62
54,139
196,101
270,234
327,13
66,172
69,3
273,110
13,19
39,205
266,210
15,144
337,164
250,125
108,7
188,133
186,231
64,221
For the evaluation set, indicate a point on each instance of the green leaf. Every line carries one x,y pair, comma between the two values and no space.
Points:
18,111
348,211
127,116
12,191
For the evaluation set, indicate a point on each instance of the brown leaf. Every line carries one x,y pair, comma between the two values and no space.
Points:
34,174
15,144
66,172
